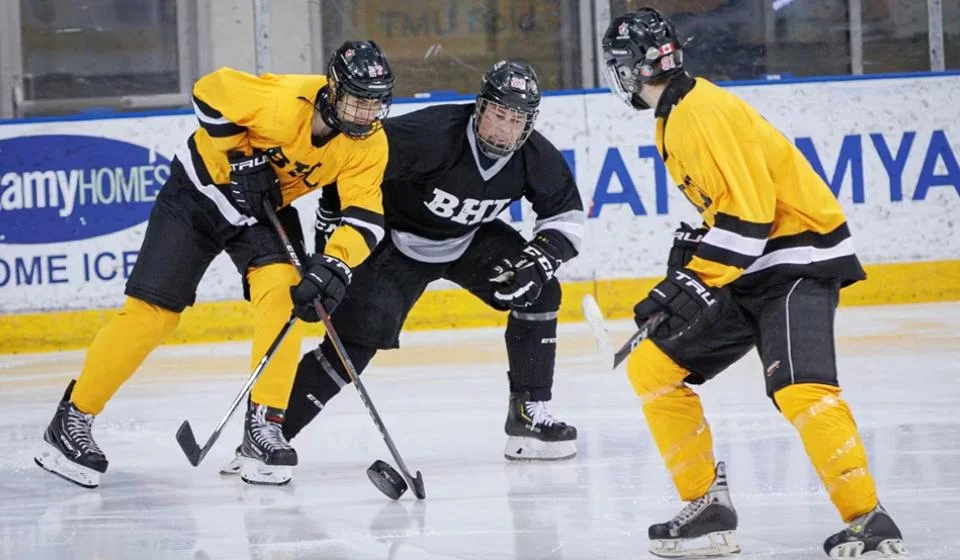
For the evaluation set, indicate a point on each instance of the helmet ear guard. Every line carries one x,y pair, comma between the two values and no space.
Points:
506,108
639,48
359,91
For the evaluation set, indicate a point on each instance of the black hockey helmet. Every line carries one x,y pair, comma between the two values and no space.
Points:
507,108
640,47
360,89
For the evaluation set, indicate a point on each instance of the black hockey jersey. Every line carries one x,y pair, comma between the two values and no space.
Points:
438,188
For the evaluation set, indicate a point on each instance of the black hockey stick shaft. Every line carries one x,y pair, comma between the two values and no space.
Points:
415,482
636,338
185,437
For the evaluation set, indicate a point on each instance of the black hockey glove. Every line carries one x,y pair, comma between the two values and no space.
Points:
686,239
252,181
682,296
326,278
328,220
520,279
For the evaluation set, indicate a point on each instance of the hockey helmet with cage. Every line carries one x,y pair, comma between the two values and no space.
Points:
507,108
360,89
638,48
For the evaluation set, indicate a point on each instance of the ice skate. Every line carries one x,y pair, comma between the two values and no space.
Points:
69,450
534,434
711,516
265,457
873,535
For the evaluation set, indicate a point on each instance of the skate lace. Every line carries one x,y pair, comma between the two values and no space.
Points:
266,434
539,415
690,510
78,428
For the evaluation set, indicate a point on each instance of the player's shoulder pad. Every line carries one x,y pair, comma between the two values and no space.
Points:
431,119
368,150
539,151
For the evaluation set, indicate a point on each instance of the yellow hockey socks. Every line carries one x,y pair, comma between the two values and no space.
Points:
675,417
830,437
270,296
118,350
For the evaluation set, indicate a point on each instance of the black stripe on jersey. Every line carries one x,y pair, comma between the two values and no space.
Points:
220,130
198,164
809,239
732,223
207,109
223,130
724,256
371,235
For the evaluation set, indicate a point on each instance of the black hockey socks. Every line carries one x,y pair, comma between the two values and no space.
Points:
532,351
320,376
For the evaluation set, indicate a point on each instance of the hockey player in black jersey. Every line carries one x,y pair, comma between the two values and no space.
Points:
452,170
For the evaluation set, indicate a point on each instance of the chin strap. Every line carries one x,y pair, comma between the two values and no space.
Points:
638,103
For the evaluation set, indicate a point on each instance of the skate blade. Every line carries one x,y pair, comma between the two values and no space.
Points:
520,448
253,471
722,543
887,549
53,461
231,468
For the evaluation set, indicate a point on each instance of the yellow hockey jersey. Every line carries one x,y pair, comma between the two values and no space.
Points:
274,114
771,218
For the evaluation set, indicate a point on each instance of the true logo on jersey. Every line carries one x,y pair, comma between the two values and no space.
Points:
468,211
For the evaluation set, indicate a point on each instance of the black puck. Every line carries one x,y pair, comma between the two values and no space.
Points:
389,481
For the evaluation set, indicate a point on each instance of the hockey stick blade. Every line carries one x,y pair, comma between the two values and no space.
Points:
594,316
185,437
188,443
417,486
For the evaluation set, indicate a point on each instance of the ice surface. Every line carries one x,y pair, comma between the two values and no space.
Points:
443,397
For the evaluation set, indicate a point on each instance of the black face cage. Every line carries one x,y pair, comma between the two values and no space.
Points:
357,116
490,147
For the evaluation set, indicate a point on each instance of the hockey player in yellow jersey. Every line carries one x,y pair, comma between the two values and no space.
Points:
764,271
262,139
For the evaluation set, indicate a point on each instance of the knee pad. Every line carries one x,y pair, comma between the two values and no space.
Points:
163,321
270,285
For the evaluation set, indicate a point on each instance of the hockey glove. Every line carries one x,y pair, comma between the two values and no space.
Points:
686,239
325,280
252,181
520,279
682,296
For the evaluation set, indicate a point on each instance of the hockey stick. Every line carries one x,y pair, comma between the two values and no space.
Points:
415,483
594,317
185,437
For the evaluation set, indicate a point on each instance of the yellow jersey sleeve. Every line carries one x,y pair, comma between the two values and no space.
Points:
727,169
228,103
358,186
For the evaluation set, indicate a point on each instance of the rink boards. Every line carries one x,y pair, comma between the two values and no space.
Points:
75,195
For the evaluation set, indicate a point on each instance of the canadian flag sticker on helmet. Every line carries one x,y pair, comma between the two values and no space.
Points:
622,30
666,49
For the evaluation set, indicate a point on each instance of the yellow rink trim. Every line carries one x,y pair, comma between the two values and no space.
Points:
219,321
